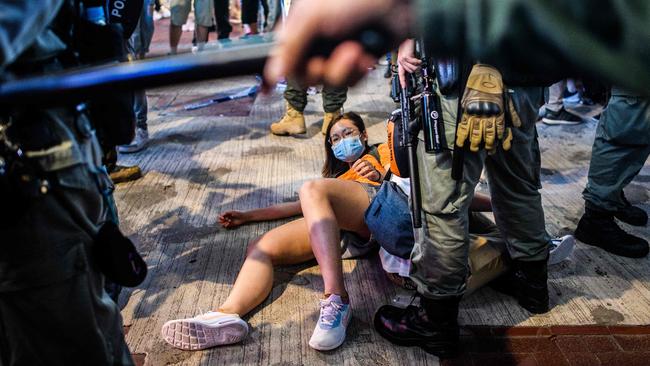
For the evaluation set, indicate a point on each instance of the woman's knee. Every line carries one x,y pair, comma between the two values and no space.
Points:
252,246
312,188
262,250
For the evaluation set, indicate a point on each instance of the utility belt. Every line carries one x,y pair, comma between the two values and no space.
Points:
34,146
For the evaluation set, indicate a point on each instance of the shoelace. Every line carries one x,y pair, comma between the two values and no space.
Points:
329,310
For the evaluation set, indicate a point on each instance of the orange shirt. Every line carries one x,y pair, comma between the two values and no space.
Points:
384,159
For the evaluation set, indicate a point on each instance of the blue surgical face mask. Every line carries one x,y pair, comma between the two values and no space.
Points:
349,149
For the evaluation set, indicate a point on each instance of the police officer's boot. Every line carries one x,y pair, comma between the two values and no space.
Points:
292,123
526,282
432,326
598,228
327,120
631,215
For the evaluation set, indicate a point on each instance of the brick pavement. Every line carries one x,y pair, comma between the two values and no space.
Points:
555,345
589,345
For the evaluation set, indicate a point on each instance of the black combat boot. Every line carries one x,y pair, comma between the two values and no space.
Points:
632,215
598,228
526,282
432,326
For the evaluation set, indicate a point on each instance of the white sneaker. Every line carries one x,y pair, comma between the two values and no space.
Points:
332,323
211,329
139,142
165,12
561,249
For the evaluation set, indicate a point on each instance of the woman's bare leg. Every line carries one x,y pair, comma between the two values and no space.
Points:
286,244
329,205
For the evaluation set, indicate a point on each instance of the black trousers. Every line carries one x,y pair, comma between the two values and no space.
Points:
249,10
222,15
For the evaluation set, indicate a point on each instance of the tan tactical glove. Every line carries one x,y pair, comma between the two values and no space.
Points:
483,111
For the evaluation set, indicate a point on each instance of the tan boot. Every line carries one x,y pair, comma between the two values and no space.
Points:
123,174
327,119
292,123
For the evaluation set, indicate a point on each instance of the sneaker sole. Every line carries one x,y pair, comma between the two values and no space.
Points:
562,251
318,348
552,122
191,336
130,150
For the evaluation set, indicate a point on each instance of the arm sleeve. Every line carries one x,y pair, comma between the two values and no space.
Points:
384,154
604,38
20,23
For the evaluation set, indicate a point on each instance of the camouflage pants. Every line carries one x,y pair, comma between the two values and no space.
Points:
333,98
440,255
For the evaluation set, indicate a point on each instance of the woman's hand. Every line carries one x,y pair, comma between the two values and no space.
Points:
233,219
365,169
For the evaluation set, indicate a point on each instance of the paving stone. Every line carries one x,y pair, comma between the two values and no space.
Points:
582,359
521,344
504,359
614,359
638,358
547,345
599,344
571,344
551,359
633,342
632,330
577,330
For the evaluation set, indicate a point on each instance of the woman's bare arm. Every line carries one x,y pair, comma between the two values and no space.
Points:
233,219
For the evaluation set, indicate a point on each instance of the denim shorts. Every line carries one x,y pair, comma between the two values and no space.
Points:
180,10
371,190
353,245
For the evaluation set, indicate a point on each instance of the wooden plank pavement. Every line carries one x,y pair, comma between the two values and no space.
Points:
204,162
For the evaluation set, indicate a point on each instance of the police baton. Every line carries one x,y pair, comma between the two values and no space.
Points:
84,83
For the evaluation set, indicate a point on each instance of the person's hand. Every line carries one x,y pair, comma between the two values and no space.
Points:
313,20
406,60
365,169
232,219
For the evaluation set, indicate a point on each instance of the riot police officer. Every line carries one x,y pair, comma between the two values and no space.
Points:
55,194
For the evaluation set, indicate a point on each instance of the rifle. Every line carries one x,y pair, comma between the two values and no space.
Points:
408,129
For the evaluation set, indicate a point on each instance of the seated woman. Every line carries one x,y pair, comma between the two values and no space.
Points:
353,170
